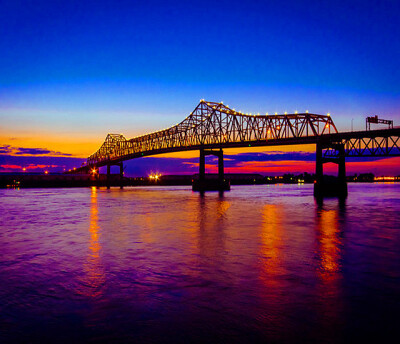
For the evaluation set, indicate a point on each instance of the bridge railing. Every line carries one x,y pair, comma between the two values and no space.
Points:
374,143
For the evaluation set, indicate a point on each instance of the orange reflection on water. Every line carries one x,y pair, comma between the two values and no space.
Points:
94,278
271,235
329,241
210,233
147,232
329,291
272,270
271,239
222,208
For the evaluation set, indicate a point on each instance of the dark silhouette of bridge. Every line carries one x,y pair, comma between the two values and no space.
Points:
211,127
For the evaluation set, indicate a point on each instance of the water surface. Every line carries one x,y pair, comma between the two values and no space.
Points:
263,263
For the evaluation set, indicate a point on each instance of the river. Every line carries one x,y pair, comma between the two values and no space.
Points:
262,263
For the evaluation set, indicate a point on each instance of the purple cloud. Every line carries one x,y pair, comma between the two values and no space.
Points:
39,163
7,149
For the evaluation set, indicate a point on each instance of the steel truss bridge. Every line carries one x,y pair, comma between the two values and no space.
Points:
211,126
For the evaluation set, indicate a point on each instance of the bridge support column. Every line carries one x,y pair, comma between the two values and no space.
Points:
211,184
108,176
121,175
319,169
333,186
221,166
342,166
97,178
202,165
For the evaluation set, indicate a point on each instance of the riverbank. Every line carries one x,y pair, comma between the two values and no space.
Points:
43,180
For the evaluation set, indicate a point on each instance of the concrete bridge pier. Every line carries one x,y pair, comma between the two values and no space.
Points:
121,175
108,176
221,167
202,165
325,186
207,185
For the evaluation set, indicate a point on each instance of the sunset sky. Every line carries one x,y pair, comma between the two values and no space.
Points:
73,71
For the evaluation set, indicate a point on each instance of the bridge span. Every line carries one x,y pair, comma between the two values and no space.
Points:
211,127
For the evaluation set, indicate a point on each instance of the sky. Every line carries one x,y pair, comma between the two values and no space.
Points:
73,71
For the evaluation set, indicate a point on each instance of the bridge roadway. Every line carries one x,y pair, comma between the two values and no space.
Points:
211,127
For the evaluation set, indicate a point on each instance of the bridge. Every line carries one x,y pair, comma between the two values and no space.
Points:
212,126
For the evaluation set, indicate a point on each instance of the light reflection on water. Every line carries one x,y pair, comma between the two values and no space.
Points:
93,277
259,263
329,252
329,241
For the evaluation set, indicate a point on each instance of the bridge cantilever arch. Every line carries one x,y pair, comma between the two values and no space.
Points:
211,127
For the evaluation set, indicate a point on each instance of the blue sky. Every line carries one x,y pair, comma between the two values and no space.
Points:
72,71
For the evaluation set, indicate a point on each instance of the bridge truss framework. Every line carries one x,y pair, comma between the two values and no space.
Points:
215,125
